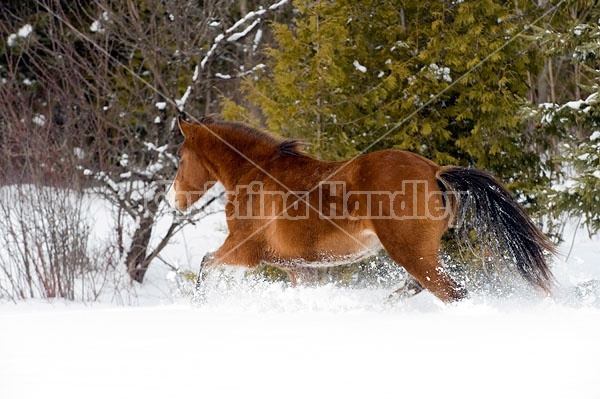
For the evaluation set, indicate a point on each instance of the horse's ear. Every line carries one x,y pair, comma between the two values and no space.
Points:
185,127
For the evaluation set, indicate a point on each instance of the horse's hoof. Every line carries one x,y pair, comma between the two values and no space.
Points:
410,288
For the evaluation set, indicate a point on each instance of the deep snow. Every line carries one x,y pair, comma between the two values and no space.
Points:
256,339
467,351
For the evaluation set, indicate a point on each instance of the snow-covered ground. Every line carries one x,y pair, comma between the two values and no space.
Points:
256,339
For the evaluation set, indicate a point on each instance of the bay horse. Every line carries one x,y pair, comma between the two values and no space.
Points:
288,209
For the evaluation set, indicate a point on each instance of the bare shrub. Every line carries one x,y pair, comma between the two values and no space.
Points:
44,241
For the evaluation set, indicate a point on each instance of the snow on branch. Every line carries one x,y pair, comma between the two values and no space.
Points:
277,5
246,18
237,36
181,101
231,35
241,74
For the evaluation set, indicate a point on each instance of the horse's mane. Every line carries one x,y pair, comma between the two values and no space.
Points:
286,147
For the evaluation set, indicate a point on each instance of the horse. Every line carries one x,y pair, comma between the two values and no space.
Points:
288,209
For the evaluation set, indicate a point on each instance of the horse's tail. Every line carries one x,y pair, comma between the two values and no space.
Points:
500,224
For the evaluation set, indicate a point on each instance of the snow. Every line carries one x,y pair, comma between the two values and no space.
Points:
359,67
219,38
567,185
579,29
440,72
575,104
23,32
278,4
267,340
257,39
252,70
595,135
209,53
584,156
247,17
96,27
39,119
237,36
233,37
579,104
196,73
181,101
161,105
79,153
171,197
11,40
161,352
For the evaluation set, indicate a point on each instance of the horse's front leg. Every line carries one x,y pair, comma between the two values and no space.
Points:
301,275
205,265
232,253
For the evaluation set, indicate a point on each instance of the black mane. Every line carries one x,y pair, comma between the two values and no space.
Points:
285,147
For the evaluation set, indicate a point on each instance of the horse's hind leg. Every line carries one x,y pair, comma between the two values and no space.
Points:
424,265
410,288
418,253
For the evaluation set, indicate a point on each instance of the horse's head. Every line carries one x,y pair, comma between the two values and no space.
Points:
192,179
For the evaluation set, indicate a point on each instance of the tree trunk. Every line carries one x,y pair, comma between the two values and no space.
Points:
136,257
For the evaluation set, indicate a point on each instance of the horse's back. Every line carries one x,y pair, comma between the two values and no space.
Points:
388,168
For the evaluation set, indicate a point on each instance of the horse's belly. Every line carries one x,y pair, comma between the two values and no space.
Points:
333,248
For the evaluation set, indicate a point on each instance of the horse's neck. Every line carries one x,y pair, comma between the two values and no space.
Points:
227,159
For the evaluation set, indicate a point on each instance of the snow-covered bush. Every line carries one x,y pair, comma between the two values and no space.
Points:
44,246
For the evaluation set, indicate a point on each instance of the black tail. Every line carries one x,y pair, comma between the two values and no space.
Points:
500,224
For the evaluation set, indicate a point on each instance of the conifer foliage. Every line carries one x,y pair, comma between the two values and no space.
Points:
444,79
576,119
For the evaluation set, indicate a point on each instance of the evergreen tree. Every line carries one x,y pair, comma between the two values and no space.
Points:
576,121
443,79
